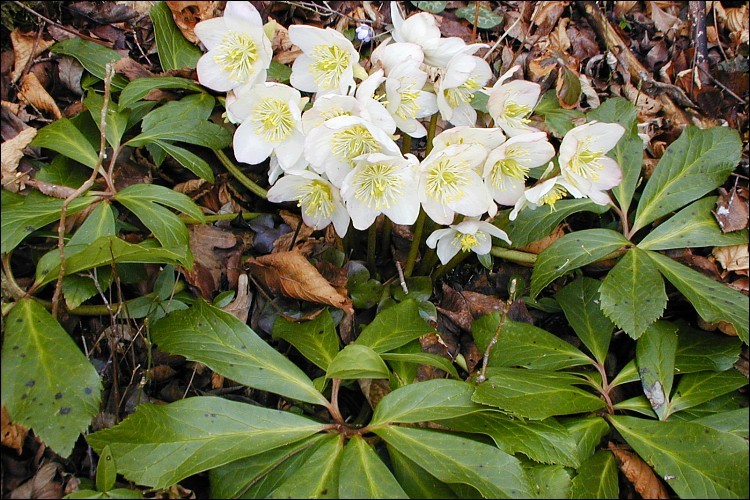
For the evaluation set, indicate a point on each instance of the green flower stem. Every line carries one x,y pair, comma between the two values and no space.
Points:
414,248
237,173
385,242
456,260
213,218
405,144
431,133
372,239
514,255
428,262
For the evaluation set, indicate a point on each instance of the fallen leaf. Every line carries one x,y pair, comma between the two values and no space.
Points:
547,17
33,93
639,473
24,50
215,253
465,306
664,21
732,258
187,14
42,485
539,245
217,380
374,389
11,152
731,210
240,306
292,275
13,434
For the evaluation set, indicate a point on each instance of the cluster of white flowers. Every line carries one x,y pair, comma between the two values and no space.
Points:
339,160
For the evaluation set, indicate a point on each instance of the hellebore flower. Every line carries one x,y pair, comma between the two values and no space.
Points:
239,52
327,63
406,99
471,234
547,192
510,104
489,138
464,75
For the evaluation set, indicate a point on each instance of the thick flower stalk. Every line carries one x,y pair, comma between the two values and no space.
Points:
510,104
584,164
327,63
469,235
381,184
239,52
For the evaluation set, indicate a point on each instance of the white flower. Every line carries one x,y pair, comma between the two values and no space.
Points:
270,122
464,75
320,201
365,33
489,138
471,234
507,167
584,164
422,30
547,192
407,101
381,184
449,184
389,55
332,147
510,104
239,52
327,61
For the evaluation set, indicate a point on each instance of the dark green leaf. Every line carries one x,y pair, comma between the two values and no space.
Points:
549,481
655,355
196,434
734,421
116,121
422,358
318,477
431,7
64,172
586,432
693,165
137,89
228,346
415,480
200,133
278,72
485,18
571,252
580,303
47,382
357,361
698,350
175,51
366,476
63,137
558,119
597,477
106,472
696,388
192,108
394,327
92,56
704,463
628,374
316,339
187,159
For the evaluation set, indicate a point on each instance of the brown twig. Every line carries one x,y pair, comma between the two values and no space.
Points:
697,11
61,26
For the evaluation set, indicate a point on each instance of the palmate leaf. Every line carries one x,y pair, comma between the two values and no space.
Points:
63,137
714,301
116,121
187,159
733,421
394,327
597,477
587,433
633,294
703,462
365,475
228,346
454,459
93,57
196,434
198,132
47,382
655,356
580,303
420,358
548,481
699,350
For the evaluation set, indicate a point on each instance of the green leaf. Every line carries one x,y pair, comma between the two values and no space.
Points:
47,382
415,480
422,358
558,119
138,89
78,289
705,463
571,252
100,222
278,72
535,394
549,481
164,196
394,327
175,51
522,344
454,459
597,477
580,303
714,301
64,172
106,472
627,375
698,350
486,18
357,361
693,165
655,355
104,251
316,339
191,108
200,133
696,388
586,432
366,476
116,121
629,149
258,475
638,404
430,400
733,421
187,159
318,477
728,402
431,7
228,346
92,56
196,434
533,225
63,137
544,441
693,226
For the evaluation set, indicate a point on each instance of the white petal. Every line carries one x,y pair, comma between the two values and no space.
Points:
291,150
245,11
446,250
211,31
250,147
302,77
212,75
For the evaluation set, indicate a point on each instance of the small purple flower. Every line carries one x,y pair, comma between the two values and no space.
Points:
365,33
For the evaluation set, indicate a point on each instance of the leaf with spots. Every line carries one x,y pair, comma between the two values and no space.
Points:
47,382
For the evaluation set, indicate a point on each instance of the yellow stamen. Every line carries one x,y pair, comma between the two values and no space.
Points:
236,54
274,119
330,62
467,242
349,143
462,94
377,184
553,196
446,179
507,168
586,162
408,106
315,199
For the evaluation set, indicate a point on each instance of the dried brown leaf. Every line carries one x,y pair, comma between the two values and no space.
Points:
41,486
640,474
547,17
13,434
664,21
731,210
737,18
24,50
240,306
33,93
539,245
215,253
732,258
11,153
187,14
292,275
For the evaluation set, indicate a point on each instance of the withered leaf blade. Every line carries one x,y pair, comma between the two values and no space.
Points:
640,474
731,210
292,275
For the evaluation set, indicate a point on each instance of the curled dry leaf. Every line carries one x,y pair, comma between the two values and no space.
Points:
24,50
10,155
639,473
13,434
240,306
215,252
731,210
664,21
187,14
33,93
292,275
42,485
732,258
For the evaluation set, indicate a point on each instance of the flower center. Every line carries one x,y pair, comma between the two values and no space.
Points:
458,96
446,179
586,162
553,196
467,242
236,55
315,199
408,106
379,185
507,168
349,143
330,62
274,119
